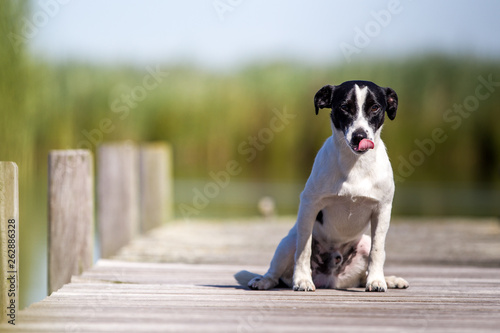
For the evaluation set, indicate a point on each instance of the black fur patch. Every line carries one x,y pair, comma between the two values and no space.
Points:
344,106
349,255
319,217
323,98
324,261
321,261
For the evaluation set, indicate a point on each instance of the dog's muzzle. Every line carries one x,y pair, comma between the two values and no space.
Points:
364,145
360,143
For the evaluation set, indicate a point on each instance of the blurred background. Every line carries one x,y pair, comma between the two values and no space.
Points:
233,81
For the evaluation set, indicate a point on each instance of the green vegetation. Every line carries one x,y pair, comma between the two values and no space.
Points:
207,116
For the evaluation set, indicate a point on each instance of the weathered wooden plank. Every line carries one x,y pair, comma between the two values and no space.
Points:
9,242
156,297
155,185
416,241
71,215
118,195
118,296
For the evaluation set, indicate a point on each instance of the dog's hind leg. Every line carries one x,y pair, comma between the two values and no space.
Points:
281,268
353,269
354,272
394,282
243,277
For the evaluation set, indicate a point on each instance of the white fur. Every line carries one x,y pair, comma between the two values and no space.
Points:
354,192
360,122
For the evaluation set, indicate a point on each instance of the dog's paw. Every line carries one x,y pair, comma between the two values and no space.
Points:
262,283
376,285
394,282
304,285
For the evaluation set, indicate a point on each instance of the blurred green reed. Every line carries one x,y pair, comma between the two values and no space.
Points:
211,117
208,116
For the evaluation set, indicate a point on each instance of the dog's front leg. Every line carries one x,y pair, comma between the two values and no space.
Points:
302,279
375,280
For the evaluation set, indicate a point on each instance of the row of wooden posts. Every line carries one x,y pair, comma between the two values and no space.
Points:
134,195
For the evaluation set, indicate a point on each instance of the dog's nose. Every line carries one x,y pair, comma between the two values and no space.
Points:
357,136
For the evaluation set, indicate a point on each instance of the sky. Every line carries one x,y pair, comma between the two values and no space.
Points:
221,34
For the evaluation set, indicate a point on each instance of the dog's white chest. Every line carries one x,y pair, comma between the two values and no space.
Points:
338,173
359,183
348,192
345,219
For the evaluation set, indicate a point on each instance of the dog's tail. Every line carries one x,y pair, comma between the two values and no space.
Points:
243,277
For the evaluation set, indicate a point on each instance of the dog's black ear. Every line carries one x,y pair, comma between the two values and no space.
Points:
392,103
323,98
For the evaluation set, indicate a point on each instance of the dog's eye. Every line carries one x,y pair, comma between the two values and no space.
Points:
344,107
375,108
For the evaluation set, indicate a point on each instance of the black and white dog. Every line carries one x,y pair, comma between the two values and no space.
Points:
350,188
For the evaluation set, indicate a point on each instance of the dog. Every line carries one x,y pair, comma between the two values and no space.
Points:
350,189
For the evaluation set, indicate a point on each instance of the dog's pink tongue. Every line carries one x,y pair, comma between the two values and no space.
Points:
365,144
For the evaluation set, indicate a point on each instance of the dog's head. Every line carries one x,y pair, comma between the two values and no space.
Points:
358,111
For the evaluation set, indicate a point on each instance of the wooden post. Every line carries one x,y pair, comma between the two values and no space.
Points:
9,242
71,215
156,185
118,195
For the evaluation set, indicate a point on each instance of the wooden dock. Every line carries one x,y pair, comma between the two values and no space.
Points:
453,268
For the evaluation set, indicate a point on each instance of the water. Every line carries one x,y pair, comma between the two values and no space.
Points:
240,198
